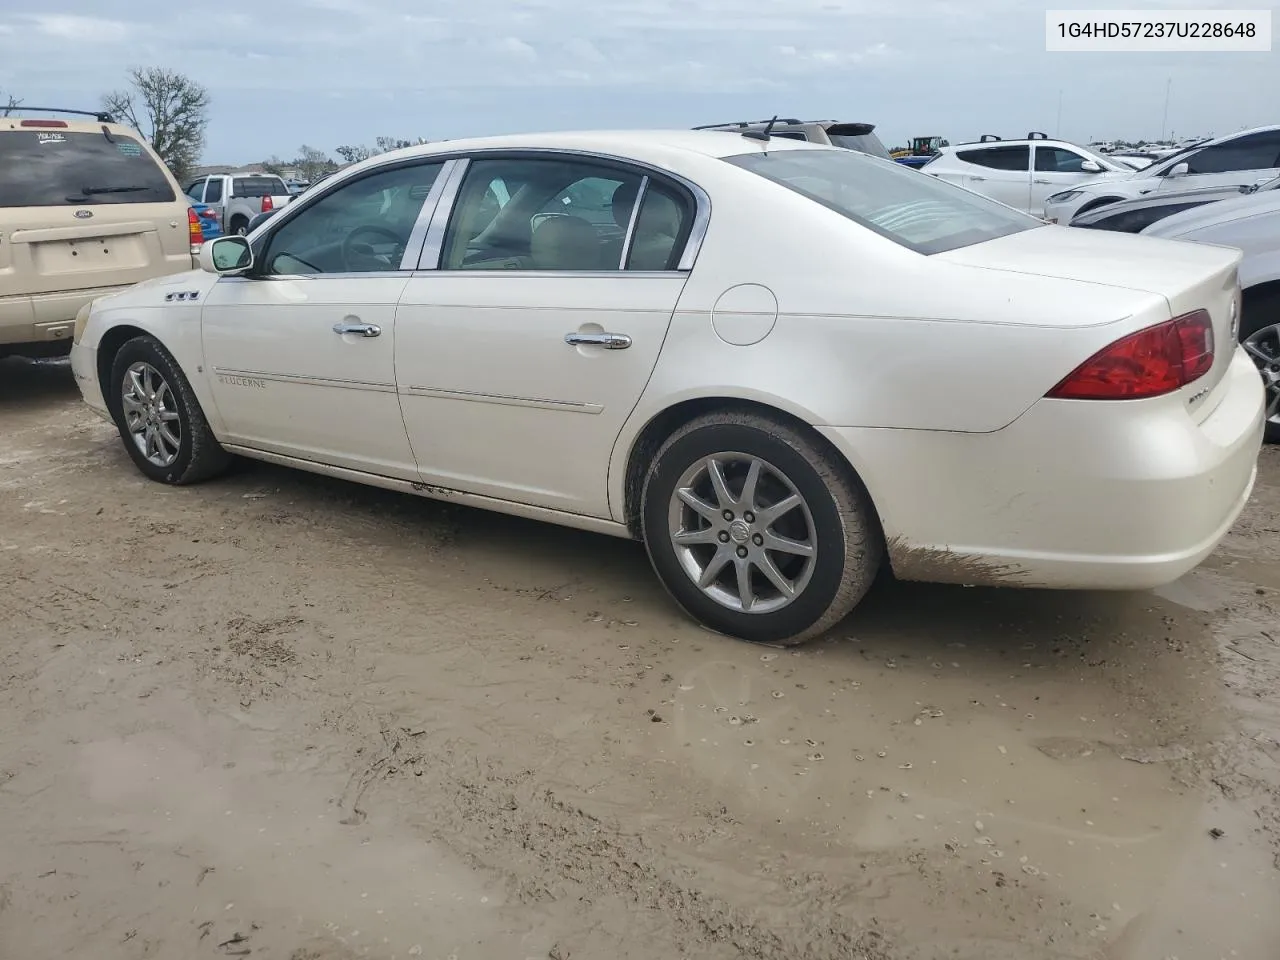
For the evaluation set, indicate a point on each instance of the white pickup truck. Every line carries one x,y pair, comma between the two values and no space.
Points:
237,198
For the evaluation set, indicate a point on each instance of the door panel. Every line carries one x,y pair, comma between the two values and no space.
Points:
285,381
497,403
1054,169
1002,173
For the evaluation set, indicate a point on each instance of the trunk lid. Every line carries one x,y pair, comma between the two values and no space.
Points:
1188,276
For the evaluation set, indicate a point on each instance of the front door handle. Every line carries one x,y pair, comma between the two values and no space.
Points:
359,329
977,179
610,341
1041,181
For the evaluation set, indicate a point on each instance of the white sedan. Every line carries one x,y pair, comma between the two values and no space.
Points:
777,364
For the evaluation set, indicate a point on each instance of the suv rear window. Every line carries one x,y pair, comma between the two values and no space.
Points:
259,187
54,168
867,143
924,214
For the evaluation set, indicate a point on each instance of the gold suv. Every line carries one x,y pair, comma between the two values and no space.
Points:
87,208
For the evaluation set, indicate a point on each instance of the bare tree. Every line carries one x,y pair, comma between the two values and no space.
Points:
312,162
353,154
11,103
175,109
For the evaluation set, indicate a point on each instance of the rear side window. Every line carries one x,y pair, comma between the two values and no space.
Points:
213,193
1258,151
998,158
258,187
924,214
51,168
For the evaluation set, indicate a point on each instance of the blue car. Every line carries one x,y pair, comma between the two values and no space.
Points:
209,224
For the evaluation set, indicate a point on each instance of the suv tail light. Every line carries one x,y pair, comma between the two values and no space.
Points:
197,234
267,205
59,124
1149,363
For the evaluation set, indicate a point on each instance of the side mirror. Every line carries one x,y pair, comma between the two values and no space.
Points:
226,256
1091,166
1178,170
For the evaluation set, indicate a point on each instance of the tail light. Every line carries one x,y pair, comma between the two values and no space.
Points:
1149,363
267,205
197,234
47,124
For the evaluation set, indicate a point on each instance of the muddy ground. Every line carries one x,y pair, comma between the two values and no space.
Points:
280,716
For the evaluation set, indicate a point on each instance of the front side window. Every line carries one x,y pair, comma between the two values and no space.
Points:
57,168
362,227
552,214
999,158
1257,151
1058,160
196,191
924,214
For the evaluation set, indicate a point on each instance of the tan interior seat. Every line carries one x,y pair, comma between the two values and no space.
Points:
565,243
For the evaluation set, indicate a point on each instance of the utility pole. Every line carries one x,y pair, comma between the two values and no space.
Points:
1164,124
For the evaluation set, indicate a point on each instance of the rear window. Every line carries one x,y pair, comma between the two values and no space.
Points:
51,168
922,213
867,143
259,187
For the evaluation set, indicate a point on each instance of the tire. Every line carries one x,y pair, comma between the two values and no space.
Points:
238,226
1260,333
144,369
834,519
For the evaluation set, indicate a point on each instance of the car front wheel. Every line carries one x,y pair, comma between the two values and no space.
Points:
159,418
1260,334
757,530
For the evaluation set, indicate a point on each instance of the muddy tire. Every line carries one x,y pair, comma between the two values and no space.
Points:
1260,334
159,418
757,529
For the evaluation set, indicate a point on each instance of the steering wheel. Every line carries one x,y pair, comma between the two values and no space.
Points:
353,251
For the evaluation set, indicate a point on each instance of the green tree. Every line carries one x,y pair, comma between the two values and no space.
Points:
169,109
312,162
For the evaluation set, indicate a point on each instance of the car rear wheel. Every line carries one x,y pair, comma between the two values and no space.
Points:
1260,334
160,421
757,530
239,226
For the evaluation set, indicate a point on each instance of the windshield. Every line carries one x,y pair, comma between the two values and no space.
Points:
919,212
51,168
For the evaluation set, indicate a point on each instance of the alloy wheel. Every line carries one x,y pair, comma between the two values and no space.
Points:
742,532
1263,347
150,414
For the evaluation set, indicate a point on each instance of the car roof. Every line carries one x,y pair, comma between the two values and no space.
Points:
655,146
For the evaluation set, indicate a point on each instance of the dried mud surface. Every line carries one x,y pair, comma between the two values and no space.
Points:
281,716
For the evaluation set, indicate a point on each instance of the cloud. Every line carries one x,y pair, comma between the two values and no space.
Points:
338,71
72,27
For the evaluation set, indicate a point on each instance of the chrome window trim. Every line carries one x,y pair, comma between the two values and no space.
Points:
418,235
433,243
631,222
561,274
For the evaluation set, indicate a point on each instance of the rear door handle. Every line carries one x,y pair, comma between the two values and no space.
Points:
359,329
1041,181
975,179
610,341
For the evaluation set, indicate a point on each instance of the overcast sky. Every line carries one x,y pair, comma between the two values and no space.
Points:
328,72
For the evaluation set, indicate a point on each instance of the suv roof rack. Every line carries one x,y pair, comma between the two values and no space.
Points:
748,123
987,138
1037,135
100,115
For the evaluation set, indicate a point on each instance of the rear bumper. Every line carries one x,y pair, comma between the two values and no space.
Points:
46,317
1073,495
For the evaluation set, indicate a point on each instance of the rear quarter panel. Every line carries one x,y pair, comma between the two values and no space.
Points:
869,333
